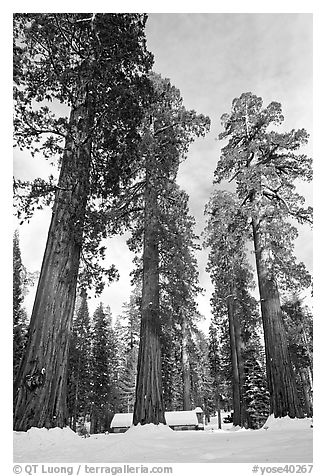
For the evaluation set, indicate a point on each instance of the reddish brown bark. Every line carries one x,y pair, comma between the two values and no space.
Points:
280,376
40,387
149,407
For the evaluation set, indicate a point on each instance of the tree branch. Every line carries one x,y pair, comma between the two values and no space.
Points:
164,128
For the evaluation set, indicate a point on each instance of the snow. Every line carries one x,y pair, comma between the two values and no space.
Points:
141,430
121,420
42,434
181,418
273,423
285,440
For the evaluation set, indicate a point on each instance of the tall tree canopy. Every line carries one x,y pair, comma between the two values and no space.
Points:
179,288
168,130
226,235
265,166
96,65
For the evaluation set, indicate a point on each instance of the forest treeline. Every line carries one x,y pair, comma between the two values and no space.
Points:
117,155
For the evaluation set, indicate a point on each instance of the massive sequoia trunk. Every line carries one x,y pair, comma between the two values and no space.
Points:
40,386
149,407
280,376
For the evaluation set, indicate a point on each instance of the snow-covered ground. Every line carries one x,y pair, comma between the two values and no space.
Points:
279,441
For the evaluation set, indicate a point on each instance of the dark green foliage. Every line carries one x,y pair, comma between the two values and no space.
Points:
79,365
55,55
95,66
230,272
178,284
172,381
264,165
298,320
179,288
219,361
230,360
203,393
168,130
19,313
299,328
104,370
219,347
127,382
127,330
255,393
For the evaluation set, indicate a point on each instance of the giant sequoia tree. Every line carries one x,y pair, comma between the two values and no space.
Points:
264,164
95,65
168,130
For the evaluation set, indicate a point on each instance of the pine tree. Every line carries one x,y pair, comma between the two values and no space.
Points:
220,358
179,288
203,393
299,327
79,362
127,329
19,313
172,375
219,364
226,234
104,370
227,264
255,393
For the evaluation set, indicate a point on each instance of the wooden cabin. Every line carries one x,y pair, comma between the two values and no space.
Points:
182,420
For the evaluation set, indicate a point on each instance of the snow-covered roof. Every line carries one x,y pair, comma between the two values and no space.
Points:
122,420
181,418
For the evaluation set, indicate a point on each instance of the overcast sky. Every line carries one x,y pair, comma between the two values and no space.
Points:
211,58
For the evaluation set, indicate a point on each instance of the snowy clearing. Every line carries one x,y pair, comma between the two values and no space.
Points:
284,440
